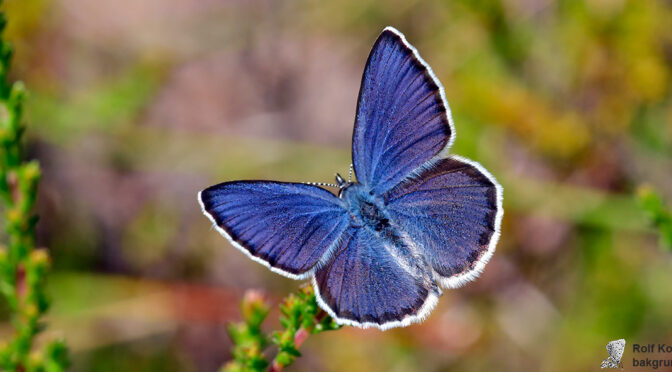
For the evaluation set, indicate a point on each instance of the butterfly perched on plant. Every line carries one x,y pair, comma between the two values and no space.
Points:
417,219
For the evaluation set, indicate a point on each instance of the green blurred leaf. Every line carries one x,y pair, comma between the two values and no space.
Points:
660,216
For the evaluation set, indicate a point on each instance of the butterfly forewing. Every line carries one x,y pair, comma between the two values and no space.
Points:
286,226
402,118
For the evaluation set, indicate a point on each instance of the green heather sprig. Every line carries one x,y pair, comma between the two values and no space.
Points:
22,267
654,205
300,317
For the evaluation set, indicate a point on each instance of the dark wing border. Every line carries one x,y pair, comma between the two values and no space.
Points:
467,276
424,311
308,274
428,304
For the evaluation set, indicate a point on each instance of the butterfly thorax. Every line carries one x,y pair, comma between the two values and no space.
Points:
365,208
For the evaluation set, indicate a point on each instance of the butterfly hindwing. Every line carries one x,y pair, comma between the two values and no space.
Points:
364,284
402,118
453,210
288,227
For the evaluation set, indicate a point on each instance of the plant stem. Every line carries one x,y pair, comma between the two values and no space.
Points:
299,338
300,317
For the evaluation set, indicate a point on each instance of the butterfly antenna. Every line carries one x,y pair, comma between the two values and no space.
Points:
350,173
321,184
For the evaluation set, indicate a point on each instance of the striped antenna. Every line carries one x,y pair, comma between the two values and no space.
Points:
321,184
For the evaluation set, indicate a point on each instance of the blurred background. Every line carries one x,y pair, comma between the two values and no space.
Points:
136,105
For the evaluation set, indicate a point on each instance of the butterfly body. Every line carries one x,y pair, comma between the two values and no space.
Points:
369,212
364,208
415,220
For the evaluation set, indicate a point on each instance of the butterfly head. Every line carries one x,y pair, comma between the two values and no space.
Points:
341,182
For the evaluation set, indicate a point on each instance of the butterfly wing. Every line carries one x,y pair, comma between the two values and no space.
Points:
402,118
364,284
453,210
288,227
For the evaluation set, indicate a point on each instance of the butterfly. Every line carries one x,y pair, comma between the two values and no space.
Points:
615,350
415,220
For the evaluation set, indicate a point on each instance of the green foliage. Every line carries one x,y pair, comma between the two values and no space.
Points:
111,104
653,203
300,317
22,266
248,338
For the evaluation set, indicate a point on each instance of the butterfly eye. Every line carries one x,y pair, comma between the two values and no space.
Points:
339,180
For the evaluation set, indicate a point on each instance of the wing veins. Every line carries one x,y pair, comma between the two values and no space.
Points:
379,83
399,81
412,144
422,181
397,121
340,287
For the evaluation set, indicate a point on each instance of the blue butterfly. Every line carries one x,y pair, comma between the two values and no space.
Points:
416,220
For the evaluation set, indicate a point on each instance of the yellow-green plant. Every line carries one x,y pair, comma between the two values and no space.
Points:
300,317
22,267
654,205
